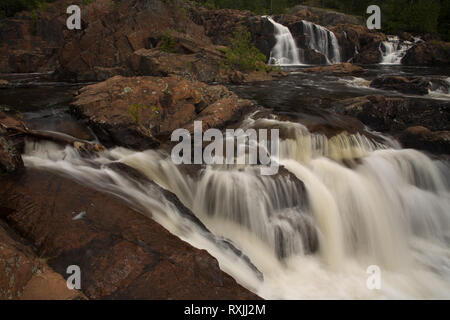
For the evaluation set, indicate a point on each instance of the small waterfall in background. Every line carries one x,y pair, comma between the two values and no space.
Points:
322,40
338,205
393,50
285,52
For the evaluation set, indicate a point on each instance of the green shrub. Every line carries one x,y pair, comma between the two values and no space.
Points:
33,23
135,112
242,54
168,43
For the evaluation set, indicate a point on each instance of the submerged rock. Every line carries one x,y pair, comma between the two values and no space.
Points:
336,69
121,253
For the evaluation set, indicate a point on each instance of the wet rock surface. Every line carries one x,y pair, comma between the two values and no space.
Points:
428,54
122,254
411,85
418,137
336,69
395,115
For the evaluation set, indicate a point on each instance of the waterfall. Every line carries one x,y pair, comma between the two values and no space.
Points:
285,52
322,40
339,205
393,50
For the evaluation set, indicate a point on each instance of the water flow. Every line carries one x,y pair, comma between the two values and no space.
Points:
339,205
393,50
285,52
322,40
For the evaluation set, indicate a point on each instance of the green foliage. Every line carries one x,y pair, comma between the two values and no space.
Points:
415,16
135,112
9,7
33,23
242,54
257,6
168,43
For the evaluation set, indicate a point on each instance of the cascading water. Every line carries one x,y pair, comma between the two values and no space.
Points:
322,40
339,205
393,50
319,38
285,52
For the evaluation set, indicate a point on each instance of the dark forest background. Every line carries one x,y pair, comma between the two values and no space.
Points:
415,16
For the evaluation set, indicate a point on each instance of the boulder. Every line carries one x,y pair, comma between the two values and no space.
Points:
418,137
411,85
430,53
122,254
395,114
140,112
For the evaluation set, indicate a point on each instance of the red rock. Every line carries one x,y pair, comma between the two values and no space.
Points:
122,253
25,276
160,105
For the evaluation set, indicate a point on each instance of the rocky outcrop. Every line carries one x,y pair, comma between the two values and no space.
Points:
411,85
428,54
392,114
336,69
121,253
114,32
325,17
31,42
395,115
421,138
23,275
140,112
202,66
